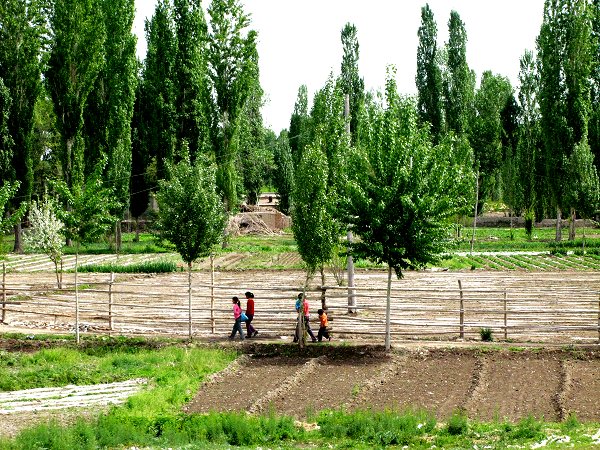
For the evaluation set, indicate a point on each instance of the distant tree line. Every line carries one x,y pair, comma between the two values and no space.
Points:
75,104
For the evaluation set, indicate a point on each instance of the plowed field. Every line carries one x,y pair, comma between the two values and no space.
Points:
487,385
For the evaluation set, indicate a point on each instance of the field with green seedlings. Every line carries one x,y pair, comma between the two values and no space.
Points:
190,398
493,249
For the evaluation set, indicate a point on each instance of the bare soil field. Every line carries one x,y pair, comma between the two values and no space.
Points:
487,385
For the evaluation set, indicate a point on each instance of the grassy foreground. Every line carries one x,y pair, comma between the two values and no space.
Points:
153,418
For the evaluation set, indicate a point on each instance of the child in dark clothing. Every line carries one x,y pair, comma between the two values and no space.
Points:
323,322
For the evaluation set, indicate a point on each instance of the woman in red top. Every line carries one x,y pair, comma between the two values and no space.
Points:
250,313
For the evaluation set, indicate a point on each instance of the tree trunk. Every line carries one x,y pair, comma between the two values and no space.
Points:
118,236
572,225
137,230
18,247
388,334
323,297
558,237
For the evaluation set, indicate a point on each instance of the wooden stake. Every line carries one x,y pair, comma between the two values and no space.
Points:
190,300
461,318
212,294
3,292
110,301
76,299
505,317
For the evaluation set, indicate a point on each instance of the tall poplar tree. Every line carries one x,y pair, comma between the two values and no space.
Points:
459,87
157,110
350,80
299,134
190,76
528,147
429,75
283,177
232,63
564,52
22,35
76,58
110,108
486,130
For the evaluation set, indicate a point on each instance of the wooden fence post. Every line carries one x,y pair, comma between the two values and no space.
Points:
599,320
505,317
3,292
212,294
461,312
110,301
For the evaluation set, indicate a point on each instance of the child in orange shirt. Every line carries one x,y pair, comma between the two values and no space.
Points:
323,322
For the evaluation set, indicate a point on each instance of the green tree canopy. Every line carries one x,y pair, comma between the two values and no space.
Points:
191,215
429,76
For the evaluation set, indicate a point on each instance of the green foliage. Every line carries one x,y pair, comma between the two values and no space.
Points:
299,135
76,59
377,428
429,75
583,190
7,192
22,34
190,77
401,191
86,214
565,64
486,334
232,69
283,176
256,158
350,80
458,423
157,111
459,84
109,109
144,267
312,222
191,216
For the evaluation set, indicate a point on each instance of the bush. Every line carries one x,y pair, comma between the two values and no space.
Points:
486,334
457,424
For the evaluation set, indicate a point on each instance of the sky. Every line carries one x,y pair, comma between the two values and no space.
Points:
299,41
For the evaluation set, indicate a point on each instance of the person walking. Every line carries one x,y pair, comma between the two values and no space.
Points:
302,305
250,330
323,323
237,315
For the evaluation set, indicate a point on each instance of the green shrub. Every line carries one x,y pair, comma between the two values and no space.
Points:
458,423
486,334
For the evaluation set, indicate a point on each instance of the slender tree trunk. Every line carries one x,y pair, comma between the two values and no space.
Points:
572,225
475,216
118,236
323,299
558,237
137,230
388,334
18,247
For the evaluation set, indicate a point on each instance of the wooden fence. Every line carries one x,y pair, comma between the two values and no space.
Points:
435,307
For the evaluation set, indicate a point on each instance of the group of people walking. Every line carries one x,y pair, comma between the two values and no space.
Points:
302,308
246,316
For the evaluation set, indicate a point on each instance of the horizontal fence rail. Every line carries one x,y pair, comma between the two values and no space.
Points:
548,307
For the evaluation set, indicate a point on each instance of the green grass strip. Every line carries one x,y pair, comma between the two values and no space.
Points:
143,267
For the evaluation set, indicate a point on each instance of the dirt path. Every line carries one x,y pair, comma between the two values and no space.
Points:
487,385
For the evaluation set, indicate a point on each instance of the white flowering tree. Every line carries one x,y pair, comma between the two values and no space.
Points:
46,234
